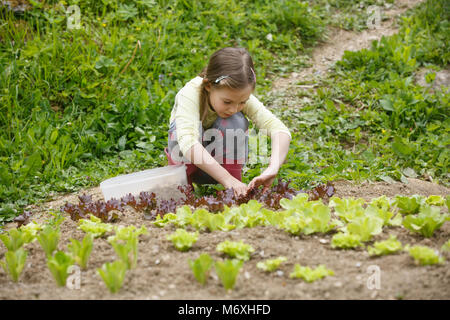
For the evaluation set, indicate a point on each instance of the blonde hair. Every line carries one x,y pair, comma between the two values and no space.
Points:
227,67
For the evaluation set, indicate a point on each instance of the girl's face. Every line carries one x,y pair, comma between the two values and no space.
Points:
227,101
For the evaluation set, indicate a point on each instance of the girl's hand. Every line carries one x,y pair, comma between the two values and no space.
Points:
240,189
264,179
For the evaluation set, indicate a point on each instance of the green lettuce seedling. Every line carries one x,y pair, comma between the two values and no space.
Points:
346,241
375,211
238,250
48,238
409,205
389,246
94,226
81,250
310,275
365,227
203,219
183,216
426,222
124,251
167,219
307,216
30,231
14,263
183,240
271,265
13,239
275,218
200,267
125,243
424,255
113,275
348,208
227,271
382,202
59,265
250,214
297,203
435,200
293,224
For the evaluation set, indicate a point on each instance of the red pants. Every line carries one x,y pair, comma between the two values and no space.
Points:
195,174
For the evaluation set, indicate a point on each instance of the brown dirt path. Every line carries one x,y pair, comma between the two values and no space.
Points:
340,40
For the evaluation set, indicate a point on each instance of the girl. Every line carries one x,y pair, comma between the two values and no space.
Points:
215,104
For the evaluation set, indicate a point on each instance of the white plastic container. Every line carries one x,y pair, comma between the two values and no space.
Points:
162,181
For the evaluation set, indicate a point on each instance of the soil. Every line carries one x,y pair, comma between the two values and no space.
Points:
164,273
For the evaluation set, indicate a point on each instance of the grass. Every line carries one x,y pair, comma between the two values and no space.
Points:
368,118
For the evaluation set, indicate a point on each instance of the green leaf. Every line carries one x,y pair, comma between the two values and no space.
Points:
409,172
435,200
386,105
238,250
389,246
365,227
32,164
14,263
409,205
81,250
30,231
201,266
347,209
346,241
183,240
104,62
424,255
48,238
59,265
125,243
13,239
113,275
94,226
227,271
402,148
271,265
310,275
426,222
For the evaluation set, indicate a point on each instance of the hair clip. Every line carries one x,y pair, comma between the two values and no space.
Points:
254,75
220,79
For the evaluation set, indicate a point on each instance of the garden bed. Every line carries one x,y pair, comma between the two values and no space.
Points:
164,273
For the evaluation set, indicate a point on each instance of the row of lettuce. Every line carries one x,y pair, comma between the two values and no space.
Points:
355,220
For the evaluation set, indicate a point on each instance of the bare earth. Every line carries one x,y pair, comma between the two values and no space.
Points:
164,273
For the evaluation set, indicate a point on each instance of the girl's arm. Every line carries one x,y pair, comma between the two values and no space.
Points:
199,156
280,147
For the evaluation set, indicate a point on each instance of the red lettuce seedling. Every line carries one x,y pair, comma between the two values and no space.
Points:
23,219
321,191
128,200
